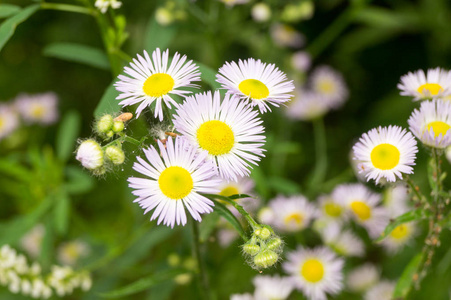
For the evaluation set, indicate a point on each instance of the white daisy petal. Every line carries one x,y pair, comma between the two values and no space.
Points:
436,83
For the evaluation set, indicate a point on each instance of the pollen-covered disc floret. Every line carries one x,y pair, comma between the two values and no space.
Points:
259,82
434,84
230,131
431,124
292,214
316,272
362,205
174,181
385,152
153,79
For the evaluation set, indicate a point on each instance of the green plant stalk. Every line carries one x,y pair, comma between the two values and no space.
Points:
67,8
413,187
203,279
319,172
243,212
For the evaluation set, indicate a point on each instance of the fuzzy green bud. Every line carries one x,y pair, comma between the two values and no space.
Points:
266,259
115,154
263,233
104,124
251,249
274,244
99,171
118,126
110,134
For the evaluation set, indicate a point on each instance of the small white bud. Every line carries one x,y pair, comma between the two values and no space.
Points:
261,12
90,155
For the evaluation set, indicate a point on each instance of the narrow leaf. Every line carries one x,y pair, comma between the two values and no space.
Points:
62,213
67,135
413,215
224,212
78,181
9,25
78,53
143,284
108,104
405,281
7,10
158,36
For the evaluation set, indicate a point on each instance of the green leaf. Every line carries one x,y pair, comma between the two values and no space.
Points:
207,226
144,283
7,10
413,215
387,19
79,182
9,25
224,212
108,104
158,36
62,213
209,76
87,55
405,281
14,229
67,135
15,170
283,185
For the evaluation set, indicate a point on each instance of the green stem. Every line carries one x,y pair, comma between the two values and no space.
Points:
204,288
415,190
243,212
67,7
321,154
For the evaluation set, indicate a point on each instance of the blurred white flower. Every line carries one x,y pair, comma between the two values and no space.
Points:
435,83
363,277
329,84
381,291
272,287
9,120
301,61
103,5
261,12
31,242
38,109
286,36
70,252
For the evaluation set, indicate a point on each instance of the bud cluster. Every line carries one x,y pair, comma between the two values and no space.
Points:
263,249
18,276
99,159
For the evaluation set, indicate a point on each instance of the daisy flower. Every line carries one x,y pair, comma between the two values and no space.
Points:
399,237
244,185
8,120
292,214
151,80
316,272
431,124
174,182
329,84
230,131
361,204
41,108
103,5
286,36
259,82
363,277
435,83
343,242
385,152
330,209
31,242
70,252
301,61
272,287
395,200
306,105
381,291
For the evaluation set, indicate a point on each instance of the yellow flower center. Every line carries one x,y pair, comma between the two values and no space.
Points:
312,270
438,127
326,86
175,182
229,191
37,111
216,137
158,84
72,251
332,209
2,122
385,156
254,88
294,218
361,210
430,88
400,232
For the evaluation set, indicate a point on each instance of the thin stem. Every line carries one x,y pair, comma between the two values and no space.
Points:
204,288
415,189
321,153
243,212
67,7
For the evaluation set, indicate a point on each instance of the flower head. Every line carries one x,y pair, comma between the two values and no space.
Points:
259,82
363,277
343,242
174,182
103,5
307,105
381,291
431,124
434,84
90,155
272,287
316,272
153,79
386,152
9,120
229,131
330,85
40,108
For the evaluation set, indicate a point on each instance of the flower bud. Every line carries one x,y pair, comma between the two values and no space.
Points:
183,279
118,126
99,171
263,233
274,244
115,154
90,155
104,124
261,12
266,259
110,134
251,249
